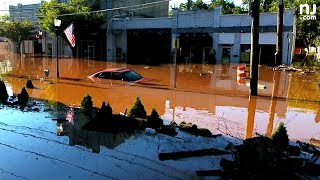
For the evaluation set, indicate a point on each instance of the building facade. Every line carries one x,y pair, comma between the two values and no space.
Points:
25,12
203,36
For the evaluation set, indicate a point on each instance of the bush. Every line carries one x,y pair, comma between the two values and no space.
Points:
87,104
280,136
138,110
154,121
106,110
23,97
29,84
3,92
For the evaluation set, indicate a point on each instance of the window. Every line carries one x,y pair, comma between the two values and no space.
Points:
117,76
104,75
132,76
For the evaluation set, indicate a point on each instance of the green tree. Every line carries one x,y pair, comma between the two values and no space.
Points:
15,30
78,12
138,110
265,5
306,31
198,4
280,136
228,7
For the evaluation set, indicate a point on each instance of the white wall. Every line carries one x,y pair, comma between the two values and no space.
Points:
266,19
142,23
195,19
264,38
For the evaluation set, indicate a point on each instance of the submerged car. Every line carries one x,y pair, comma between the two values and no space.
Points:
124,75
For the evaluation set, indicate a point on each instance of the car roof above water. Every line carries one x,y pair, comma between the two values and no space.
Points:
120,70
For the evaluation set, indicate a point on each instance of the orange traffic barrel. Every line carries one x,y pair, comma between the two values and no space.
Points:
241,75
241,68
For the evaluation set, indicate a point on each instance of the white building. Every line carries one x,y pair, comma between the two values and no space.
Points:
200,33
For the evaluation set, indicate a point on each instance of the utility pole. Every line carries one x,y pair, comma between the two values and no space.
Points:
189,5
254,53
278,55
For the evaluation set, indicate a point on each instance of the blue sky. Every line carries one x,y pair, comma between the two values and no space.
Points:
4,4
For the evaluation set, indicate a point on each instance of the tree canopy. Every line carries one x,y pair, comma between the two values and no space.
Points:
15,30
78,12
228,7
307,31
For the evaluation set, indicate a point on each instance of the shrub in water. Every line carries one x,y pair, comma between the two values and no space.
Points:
280,136
106,110
23,97
29,84
154,121
87,104
138,110
3,92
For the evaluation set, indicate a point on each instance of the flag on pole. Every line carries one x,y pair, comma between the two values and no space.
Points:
70,35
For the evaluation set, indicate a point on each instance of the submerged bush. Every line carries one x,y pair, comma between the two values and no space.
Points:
87,104
3,92
23,97
29,84
154,121
106,110
138,110
280,136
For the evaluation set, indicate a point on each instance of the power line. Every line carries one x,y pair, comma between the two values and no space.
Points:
138,7
117,8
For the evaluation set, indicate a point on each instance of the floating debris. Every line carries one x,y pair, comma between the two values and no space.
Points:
286,68
306,72
260,86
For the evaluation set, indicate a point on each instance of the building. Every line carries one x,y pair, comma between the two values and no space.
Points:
204,37
23,12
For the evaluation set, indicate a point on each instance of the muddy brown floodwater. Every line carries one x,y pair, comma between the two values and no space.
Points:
211,96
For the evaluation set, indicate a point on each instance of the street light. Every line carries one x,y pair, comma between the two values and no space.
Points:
39,37
57,23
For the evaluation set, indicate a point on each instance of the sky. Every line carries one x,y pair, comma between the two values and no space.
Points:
4,4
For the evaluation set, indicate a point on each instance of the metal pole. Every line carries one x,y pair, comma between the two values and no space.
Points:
57,57
254,55
175,67
29,57
278,57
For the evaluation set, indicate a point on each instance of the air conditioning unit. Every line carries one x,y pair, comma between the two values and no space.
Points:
130,14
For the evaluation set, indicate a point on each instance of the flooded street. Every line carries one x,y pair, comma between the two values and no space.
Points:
210,96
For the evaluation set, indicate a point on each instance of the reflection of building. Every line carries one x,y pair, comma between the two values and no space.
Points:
94,140
228,35
89,139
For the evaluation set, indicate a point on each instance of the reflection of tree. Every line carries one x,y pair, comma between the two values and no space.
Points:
50,95
317,117
250,118
304,87
276,79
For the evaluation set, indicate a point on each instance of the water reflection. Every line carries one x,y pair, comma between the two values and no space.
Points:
192,77
206,95
94,140
73,128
